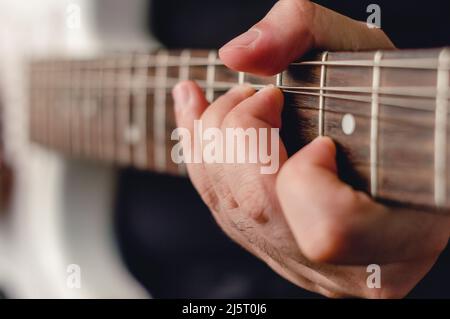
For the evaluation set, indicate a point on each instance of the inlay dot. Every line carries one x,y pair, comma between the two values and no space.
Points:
348,124
132,134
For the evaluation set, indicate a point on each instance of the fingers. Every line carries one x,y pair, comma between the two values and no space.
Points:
292,28
190,103
332,223
260,112
235,190
213,118
214,115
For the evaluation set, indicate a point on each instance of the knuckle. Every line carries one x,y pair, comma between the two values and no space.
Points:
254,205
303,11
236,119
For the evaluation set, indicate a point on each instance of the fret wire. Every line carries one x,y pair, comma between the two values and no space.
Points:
159,110
99,99
241,78
43,129
94,107
279,80
75,110
210,76
139,115
109,137
374,124
131,134
321,97
51,105
184,75
68,108
440,144
86,108
185,58
124,129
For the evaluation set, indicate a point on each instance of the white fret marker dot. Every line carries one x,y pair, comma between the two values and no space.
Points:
348,124
132,135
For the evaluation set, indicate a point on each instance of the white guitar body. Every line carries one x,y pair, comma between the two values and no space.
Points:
61,209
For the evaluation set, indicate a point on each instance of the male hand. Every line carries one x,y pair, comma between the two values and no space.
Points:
304,222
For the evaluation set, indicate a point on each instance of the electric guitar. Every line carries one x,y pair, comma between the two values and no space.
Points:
72,114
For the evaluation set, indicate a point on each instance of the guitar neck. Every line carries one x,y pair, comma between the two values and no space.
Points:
387,112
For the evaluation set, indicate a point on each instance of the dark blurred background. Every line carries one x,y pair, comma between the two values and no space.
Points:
171,243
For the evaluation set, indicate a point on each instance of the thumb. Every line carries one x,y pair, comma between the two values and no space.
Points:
333,223
292,28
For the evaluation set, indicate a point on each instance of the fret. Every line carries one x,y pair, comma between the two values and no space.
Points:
108,134
440,144
406,134
33,95
323,71
210,76
241,78
69,105
51,120
279,79
139,113
47,103
123,119
66,98
36,102
53,91
185,58
150,103
353,145
170,122
159,112
374,124
75,112
86,110
95,121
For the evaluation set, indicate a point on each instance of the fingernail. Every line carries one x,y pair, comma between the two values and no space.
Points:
180,95
244,40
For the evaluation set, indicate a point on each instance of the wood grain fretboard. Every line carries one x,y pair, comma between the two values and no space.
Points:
387,112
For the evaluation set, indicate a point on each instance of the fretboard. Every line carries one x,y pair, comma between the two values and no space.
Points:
387,111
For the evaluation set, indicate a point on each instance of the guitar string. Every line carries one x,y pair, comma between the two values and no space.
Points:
406,91
150,61
395,119
389,96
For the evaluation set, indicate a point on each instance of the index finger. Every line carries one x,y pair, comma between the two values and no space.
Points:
292,28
